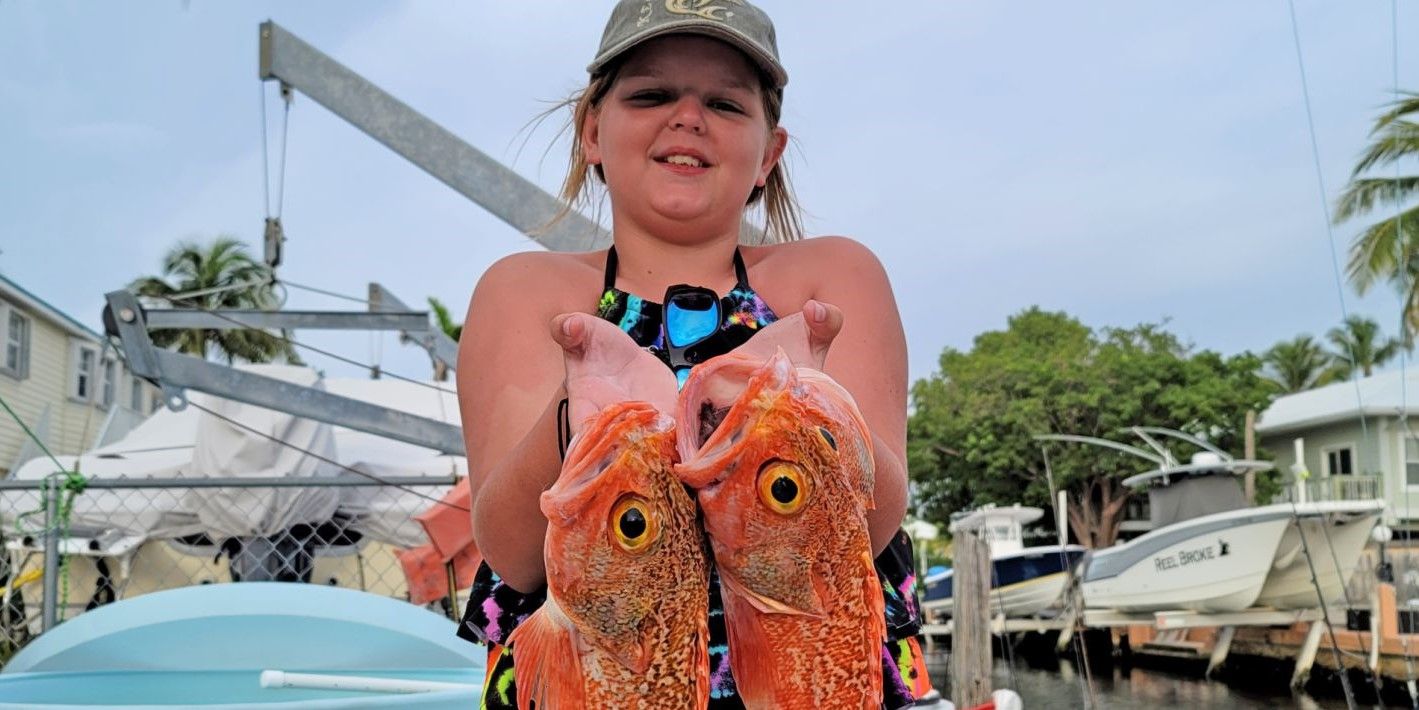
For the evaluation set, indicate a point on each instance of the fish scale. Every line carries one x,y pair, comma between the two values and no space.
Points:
802,602
623,629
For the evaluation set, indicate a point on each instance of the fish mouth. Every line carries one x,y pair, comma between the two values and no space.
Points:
718,405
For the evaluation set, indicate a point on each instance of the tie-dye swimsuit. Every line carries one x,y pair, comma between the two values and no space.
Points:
495,609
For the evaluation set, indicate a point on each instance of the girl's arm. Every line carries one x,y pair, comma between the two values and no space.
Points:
510,376
869,358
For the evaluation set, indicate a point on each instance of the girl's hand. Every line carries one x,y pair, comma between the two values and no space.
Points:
804,336
605,366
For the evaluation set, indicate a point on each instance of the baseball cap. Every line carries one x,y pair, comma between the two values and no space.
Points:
737,22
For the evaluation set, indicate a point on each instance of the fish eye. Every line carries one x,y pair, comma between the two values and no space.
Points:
633,526
783,487
828,437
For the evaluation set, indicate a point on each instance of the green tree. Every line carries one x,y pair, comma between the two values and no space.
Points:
1299,364
1387,250
971,432
449,328
1360,346
219,274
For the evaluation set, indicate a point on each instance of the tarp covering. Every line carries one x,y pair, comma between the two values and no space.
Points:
192,444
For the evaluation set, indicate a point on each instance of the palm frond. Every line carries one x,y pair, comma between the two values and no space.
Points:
1362,194
1399,139
1377,252
1397,109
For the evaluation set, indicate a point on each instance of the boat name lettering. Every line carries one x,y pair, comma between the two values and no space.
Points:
1184,557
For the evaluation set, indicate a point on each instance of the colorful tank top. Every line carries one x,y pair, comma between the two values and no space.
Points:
495,609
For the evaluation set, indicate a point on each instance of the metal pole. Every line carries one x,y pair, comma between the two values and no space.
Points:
50,615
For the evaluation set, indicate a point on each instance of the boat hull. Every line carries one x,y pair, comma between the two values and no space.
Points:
1213,563
1026,583
1335,533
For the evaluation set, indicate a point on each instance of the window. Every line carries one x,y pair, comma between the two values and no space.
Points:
135,394
109,383
81,382
1411,460
1339,461
16,362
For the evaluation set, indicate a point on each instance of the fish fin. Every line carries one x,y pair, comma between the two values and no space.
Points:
806,599
701,661
751,651
631,652
546,661
877,620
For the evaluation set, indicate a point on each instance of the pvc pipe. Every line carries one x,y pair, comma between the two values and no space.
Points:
364,684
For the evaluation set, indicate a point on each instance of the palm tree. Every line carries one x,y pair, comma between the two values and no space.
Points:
1359,345
451,329
1387,250
220,274
1298,364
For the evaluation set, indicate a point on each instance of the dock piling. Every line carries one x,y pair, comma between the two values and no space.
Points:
970,642
1307,656
1220,648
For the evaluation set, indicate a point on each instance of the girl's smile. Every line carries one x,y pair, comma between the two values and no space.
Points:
682,138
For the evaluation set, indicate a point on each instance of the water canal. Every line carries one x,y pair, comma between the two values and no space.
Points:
1059,685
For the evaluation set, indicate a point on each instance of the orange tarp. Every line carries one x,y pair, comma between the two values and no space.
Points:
449,527
427,576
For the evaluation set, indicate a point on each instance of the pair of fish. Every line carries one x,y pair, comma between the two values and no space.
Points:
782,483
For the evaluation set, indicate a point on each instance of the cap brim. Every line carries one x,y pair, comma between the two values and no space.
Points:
765,61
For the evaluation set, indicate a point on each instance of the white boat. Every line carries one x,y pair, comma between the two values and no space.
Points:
1025,581
1211,552
1336,534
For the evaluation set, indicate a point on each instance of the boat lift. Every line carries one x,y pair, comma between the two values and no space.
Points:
1172,622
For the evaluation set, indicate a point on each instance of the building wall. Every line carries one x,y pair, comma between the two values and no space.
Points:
1366,443
73,424
1379,448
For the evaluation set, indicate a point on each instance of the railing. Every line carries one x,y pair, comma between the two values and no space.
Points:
1340,487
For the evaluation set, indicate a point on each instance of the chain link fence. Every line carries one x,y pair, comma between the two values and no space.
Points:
71,545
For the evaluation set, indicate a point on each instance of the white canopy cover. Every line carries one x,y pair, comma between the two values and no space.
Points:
194,444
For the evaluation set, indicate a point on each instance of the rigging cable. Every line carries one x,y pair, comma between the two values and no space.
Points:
1076,600
1405,335
1340,294
1325,209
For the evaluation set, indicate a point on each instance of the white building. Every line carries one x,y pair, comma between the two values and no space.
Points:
1360,439
56,374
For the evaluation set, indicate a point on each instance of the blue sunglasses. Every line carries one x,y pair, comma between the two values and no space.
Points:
691,317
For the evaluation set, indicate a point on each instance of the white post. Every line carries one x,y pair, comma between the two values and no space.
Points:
1220,648
1299,470
1062,522
1307,656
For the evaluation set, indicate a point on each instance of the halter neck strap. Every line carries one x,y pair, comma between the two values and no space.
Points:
740,271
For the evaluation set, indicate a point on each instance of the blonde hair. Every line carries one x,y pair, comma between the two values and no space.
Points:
782,222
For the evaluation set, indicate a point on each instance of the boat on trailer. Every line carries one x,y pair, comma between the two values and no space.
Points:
1025,581
1210,551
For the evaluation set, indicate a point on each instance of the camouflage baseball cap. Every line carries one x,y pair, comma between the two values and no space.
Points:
733,21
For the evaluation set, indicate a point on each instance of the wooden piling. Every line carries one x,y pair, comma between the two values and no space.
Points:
970,640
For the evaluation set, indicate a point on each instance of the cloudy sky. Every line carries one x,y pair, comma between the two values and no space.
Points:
1121,161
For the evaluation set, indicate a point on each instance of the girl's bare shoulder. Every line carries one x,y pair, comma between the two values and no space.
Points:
544,281
802,266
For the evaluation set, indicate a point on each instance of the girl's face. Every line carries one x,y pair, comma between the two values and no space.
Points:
682,137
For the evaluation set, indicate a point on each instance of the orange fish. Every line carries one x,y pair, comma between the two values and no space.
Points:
625,621
784,482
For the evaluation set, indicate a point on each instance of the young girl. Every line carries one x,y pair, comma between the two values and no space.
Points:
679,121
